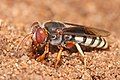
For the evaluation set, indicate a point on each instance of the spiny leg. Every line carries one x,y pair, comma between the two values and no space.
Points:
59,56
81,52
42,57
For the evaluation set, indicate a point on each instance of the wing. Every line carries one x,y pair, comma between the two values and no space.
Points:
81,30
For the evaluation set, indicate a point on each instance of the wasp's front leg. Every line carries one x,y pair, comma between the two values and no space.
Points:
42,57
32,53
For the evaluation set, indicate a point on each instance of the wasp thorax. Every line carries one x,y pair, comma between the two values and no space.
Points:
39,36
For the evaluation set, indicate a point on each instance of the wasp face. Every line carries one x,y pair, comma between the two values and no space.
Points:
39,35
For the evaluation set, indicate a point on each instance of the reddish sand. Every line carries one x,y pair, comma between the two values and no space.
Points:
16,18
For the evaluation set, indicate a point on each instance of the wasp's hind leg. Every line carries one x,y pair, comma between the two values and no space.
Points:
58,56
79,49
42,57
81,52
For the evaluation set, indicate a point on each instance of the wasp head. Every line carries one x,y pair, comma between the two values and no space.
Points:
39,34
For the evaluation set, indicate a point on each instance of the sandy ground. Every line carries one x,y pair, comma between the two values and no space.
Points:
16,18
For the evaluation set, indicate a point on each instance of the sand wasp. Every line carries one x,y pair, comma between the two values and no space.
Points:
64,35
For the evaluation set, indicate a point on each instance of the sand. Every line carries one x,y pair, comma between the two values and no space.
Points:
16,18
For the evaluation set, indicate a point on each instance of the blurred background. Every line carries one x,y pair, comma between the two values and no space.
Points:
104,14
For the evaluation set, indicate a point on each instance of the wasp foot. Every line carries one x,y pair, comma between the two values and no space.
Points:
31,55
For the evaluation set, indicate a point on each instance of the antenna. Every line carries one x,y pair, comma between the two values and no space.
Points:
27,36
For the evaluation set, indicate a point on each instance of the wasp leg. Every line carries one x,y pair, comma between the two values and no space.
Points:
79,49
32,52
41,58
81,52
31,55
59,56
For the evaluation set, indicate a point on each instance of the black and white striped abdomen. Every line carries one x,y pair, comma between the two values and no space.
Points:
97,42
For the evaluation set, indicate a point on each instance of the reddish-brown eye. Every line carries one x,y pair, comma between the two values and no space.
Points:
39,36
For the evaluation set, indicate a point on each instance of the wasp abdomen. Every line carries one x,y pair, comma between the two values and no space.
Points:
97,42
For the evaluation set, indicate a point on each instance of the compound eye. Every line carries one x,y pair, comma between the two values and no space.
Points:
39,36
